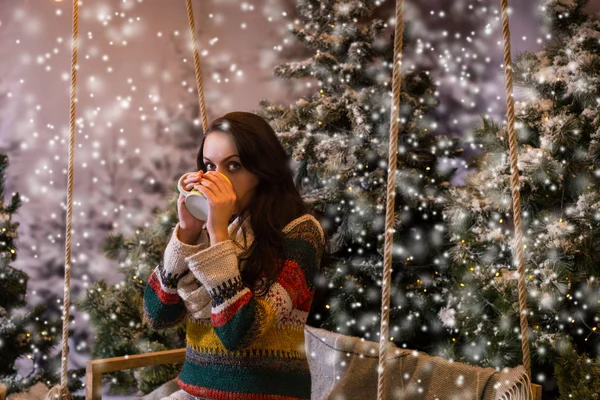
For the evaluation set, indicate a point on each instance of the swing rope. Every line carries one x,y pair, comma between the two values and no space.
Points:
391,194
515,187
61,391
197,70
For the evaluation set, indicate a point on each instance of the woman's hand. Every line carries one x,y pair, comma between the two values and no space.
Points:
189,225
221,204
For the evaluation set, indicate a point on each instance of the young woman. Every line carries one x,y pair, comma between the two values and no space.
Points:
245,278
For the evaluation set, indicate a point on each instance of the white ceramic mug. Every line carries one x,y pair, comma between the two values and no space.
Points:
195,201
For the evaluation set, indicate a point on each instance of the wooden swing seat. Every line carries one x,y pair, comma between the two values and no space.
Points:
95,369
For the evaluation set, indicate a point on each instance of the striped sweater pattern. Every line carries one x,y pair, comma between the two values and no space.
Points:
239,345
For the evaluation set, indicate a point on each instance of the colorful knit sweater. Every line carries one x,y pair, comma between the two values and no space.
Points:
239,346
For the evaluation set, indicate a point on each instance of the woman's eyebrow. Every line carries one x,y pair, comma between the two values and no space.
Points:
225,159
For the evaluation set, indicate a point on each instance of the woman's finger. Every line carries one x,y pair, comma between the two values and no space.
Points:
209,194
219,181
191,178
204,183
210,181
211,185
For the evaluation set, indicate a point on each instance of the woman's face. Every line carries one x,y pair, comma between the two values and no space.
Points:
221,154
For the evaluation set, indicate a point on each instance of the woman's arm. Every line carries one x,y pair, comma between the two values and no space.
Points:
163,306
239,317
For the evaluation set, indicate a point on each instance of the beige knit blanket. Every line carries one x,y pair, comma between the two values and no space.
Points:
345,368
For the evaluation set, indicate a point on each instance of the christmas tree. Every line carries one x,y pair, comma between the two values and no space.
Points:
25,332
338,140
557,98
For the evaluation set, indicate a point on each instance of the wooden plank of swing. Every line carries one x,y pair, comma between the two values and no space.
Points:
537,391
138,361
95,368
3,390
93,383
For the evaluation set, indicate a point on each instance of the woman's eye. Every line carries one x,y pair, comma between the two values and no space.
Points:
236,165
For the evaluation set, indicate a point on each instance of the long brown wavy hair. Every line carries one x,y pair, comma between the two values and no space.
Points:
276,201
